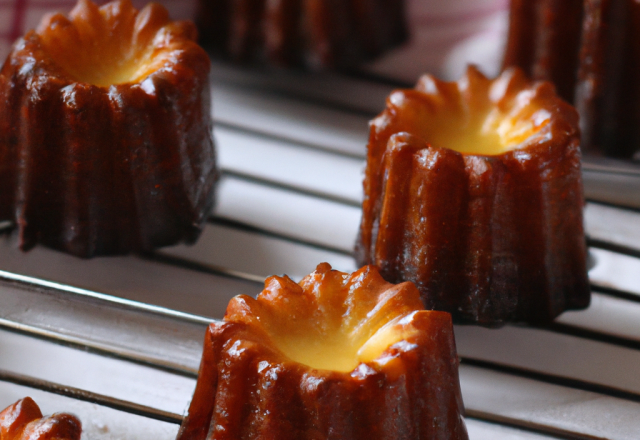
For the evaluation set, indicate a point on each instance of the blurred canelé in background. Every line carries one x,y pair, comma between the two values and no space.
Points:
591,51
588,49
313,34
442,36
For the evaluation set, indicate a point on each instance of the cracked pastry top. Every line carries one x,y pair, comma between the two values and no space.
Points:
473,191
24,421
105,135
338,355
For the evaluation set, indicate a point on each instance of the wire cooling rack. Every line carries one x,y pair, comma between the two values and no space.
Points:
117,340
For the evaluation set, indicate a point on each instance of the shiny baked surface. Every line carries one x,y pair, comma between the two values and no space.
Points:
531,377
112,44
105,141
24,421
346,355
331,321
473,191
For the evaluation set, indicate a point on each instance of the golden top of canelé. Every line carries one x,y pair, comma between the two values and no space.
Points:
114,43
331,320
476,115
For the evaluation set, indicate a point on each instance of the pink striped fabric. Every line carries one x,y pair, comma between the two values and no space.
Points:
446,34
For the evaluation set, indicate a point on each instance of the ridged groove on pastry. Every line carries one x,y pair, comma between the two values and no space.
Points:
403,384
590,50
24,421
491,237
311,33
94,168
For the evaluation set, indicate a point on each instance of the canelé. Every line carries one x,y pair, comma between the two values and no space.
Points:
308,33
24,421
105,135
473,192
591,51
344,356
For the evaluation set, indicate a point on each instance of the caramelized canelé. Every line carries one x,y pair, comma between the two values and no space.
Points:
307,33
24,421
473,191
591,51
105,135
339,355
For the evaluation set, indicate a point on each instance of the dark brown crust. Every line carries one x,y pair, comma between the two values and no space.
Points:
555,51
308,33
248,389
589,49
23,421
490,239
93,170
264,396
604,98
519,50
544,40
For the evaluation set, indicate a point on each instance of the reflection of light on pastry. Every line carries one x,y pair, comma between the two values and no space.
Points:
94,47
105,139
24,421
332,328
343,354
473,191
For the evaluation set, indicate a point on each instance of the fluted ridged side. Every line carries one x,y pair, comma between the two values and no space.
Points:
247,388
23,421
311,33
92,169
590,50
488,238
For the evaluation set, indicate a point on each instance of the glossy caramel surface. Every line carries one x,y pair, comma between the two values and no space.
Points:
114,44
105,140
392,373
489,233
24,421
331,321
474,116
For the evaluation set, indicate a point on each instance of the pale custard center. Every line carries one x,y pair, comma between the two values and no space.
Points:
107,46
488,132
106,63
338,350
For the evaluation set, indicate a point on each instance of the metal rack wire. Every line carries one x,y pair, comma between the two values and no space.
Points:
135,346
